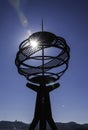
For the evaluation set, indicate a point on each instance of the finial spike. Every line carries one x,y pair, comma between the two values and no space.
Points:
42,25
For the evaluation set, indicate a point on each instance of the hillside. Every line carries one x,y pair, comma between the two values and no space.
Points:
7,125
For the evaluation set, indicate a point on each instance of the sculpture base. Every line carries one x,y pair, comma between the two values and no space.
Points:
43,112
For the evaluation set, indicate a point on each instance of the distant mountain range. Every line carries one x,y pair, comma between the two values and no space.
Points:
16,125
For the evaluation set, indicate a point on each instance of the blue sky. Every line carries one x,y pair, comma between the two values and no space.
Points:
65,18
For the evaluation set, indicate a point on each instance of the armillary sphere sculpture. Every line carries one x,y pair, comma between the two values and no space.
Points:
42,59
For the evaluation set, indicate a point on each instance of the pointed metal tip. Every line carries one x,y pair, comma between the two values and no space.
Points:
42,25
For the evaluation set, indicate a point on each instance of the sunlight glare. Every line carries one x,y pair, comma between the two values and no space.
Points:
34,43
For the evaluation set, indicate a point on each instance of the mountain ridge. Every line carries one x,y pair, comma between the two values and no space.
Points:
18,125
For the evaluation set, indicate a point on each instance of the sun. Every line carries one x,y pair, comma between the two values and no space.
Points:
34,43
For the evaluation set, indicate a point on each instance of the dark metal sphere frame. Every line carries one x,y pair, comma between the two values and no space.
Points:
35,74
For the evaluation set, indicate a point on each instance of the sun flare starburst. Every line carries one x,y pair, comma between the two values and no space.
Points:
34,43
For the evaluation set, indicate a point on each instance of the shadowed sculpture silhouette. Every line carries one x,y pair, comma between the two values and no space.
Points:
37,64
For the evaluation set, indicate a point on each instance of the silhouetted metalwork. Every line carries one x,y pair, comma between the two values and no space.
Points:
43,65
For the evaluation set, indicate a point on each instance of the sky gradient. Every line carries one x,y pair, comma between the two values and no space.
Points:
65,18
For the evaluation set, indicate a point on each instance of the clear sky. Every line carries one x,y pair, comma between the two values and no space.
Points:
66,18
